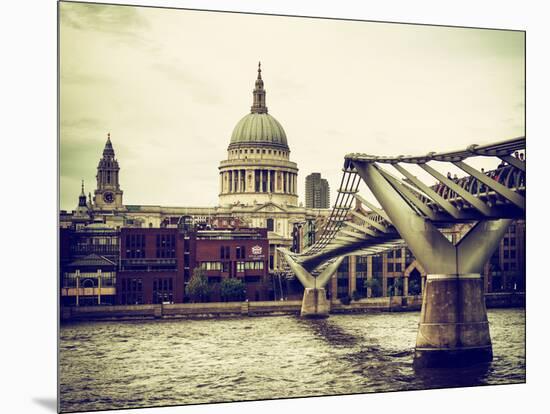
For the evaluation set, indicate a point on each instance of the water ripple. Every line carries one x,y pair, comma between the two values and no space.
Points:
152,363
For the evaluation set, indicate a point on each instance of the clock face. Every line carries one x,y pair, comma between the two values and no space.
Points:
108,197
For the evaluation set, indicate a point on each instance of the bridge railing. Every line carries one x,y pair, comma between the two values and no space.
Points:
508,176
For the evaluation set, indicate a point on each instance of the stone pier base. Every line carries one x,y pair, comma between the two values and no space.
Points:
453,329
315,303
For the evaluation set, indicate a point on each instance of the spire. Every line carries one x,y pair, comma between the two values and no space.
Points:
108,151
258,104
82,197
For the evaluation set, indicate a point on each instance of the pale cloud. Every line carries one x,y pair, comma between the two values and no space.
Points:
170,85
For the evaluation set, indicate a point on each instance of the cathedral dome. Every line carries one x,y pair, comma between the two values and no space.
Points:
259,128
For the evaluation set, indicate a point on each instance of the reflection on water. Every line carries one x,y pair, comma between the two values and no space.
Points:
151,363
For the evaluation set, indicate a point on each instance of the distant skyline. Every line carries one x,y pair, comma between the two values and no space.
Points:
170,85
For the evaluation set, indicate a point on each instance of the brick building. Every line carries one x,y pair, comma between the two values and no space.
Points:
240,253
154,264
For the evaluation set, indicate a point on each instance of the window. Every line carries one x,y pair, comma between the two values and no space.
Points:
240,252
163,290
270,224
398,253
211,265
390,267
166,245
132,291
224,252
398,267
255,265
135,246
240,266
377,264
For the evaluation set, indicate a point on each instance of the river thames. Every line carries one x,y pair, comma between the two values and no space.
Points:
170,362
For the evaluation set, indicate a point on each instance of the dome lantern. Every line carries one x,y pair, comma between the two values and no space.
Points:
258,103
258,127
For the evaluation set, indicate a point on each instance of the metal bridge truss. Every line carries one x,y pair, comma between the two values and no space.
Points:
477,196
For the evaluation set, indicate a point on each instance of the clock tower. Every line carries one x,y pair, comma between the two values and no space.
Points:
108,195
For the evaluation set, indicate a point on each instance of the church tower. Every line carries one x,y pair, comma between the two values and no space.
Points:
108,195
82,212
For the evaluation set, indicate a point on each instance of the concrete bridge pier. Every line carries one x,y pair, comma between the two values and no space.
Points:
314,302
453,329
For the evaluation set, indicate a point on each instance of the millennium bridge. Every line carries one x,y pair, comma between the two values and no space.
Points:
453,328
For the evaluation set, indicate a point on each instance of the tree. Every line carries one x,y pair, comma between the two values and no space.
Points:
397,287
375,285
232,289
414,287
198,288
356,295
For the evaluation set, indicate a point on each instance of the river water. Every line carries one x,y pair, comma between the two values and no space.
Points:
170,362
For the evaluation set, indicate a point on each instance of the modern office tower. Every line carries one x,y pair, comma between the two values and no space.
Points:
317,191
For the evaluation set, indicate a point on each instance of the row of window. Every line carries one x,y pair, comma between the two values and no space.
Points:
163,285
241,266
225,252
263,151
70,281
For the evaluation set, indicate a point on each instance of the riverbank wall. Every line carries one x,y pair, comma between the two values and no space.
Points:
232,309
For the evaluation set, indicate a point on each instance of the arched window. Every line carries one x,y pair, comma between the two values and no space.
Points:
270,224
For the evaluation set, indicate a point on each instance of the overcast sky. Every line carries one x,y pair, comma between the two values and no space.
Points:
170,85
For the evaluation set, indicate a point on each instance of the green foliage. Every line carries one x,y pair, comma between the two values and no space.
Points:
198,288
375,285
357,295
372,283
232,289
397,288
414,287
345,300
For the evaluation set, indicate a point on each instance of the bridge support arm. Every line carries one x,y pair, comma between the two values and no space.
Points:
305,278
429,246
